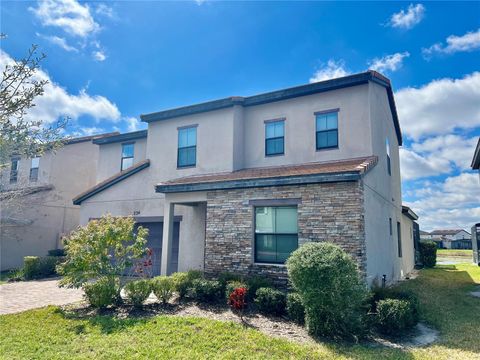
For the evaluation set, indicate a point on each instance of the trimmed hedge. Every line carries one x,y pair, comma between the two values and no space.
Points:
394,316
35,267
183,281
295,308
163,287
138,291
206,290
256,282
103,292
428,253
270,301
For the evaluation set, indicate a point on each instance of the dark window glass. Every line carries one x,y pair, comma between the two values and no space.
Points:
391,227
327,130
34,168
399,237
127,156
274,138
14,171
389,166
187,147
276,233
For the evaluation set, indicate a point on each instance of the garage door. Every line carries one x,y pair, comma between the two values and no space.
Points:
154,242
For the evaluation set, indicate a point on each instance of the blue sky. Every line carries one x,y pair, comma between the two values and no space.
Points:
109,62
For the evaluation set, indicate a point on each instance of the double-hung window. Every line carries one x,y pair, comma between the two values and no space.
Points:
327,130
127,155
14,170
274,137
34,168
187,147
389,166
276,233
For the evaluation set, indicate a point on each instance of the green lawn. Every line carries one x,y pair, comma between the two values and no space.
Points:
48,334
464,255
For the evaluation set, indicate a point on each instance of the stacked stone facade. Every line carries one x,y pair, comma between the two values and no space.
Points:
331,212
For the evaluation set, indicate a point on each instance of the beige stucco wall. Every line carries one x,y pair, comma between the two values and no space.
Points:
49,214
407,262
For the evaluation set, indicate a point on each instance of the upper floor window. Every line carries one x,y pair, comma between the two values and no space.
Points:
187,147
274,137
390,226
276,233
399,239
389,167
327,130
34,168
127,155
14,170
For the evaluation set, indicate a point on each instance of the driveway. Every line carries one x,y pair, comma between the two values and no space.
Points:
25,295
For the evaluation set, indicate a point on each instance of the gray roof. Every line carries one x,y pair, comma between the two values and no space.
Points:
476,157
121,137
303,90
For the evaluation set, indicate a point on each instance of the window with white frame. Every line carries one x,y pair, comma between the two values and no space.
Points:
127,155
34,165
187,147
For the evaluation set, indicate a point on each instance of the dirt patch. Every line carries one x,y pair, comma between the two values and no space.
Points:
421,335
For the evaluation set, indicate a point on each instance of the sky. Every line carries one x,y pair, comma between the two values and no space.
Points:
108,62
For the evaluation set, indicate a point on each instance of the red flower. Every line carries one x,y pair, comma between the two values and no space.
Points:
236,300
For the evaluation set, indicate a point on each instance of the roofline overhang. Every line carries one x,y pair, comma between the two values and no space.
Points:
259,182
303,90
122,137
122,176
409,213
476,157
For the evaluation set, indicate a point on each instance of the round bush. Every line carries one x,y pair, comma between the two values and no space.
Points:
393,293
138,291
394,316
256,282
270,301
329,285
102,293
206,290
295,308
428,253
163,288
183,281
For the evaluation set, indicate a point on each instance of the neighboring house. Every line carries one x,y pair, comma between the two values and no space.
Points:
452,238
239,183
36,196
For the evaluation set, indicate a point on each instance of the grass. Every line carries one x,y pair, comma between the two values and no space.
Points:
458,254
8,274
50,334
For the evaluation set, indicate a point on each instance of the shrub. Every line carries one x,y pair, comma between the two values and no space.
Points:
206,290
56,252
183,281
328,283
232,285
256,282
104,247
36,267
237,299
138,291
163,287
102,292
270,301
295,308
428,253
225,277
394,316
393,293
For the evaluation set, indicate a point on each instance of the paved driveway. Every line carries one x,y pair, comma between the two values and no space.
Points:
25,295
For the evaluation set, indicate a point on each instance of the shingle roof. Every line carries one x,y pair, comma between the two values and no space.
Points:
122,137
331,171
105,184
446,232
284,94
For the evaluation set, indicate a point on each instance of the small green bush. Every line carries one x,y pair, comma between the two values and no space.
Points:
206,290
231,286
428,253
393,293
138,291
256,282
183,281
295,308
36,267
225,277
102,293
163,288
270,301
327,280
394,316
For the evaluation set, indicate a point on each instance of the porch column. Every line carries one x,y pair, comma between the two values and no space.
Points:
168,212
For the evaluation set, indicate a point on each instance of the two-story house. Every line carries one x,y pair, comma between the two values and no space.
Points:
36,199
239,183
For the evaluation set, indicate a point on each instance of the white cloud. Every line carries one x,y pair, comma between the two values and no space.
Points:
87,131
440,106
449,204
408,19
133,124
99,55
56,102
59,41
468,42
334,69
69,15
105,10
391,62
416,166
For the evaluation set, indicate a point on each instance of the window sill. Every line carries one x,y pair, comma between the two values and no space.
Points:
186,167
269,264
274,155
328,148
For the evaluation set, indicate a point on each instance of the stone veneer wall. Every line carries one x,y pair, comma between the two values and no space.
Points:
328,212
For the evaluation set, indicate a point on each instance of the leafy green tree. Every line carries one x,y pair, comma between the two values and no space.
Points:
103,248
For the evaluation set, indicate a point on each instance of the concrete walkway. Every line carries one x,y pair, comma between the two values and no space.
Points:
25,295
